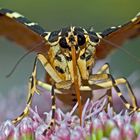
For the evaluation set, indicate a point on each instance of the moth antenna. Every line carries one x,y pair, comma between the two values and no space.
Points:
22,57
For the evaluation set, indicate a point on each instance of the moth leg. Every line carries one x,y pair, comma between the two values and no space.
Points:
49,69
48,87
110,99
110,82
53,108
31,90
134,106
26,110
130,92
105,68
33,84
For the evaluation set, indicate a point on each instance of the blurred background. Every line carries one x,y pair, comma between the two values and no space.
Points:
55,14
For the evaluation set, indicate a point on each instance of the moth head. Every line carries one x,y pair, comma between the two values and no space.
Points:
73,37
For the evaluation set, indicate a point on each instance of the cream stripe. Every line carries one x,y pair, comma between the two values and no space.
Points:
31,24
14,15
134,19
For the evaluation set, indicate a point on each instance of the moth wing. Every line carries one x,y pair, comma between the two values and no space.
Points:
117,35
19,29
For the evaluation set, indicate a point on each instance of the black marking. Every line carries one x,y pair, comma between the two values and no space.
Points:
81,39
45,131
131,107
138,22
51,124
71,38
29,99
37,29
88,57
53,94
20,115
88,67
53,36
53,113
32,82
82,56
125,103
59,70
73,94
5,11
44,34
74,100
64,31
78,30
68,58
108,31
63,43
117,89
125,24
15,120
53,107
53,101
58,58
76,47
23,20
93,37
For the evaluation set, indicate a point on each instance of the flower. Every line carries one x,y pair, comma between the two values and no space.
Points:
97,124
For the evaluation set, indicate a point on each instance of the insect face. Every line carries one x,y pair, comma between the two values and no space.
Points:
72,37
62,42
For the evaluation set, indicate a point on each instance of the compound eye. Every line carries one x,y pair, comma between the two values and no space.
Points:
81,39
63,43
93,37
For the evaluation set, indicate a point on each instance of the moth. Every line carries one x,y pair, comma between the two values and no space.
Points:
68,55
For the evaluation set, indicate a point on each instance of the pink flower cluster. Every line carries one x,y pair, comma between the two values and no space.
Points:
97,124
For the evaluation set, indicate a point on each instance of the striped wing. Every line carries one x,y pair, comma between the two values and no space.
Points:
22,31
118,35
